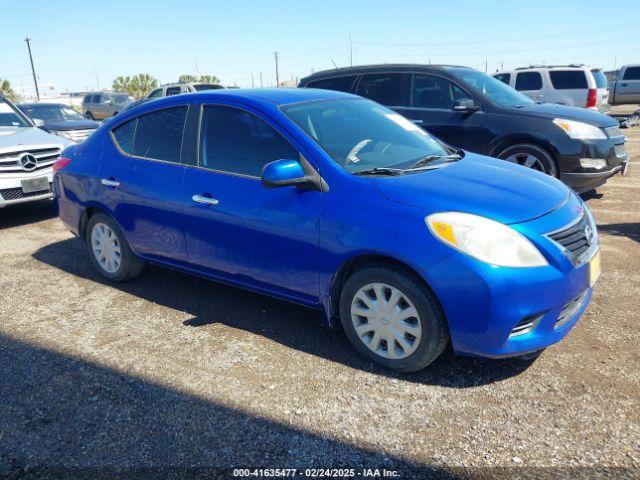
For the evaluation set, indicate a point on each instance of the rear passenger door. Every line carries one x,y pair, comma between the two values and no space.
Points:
388,89
628,88
531,85
265,238
141,176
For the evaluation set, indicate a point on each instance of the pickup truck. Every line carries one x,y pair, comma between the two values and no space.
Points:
625,88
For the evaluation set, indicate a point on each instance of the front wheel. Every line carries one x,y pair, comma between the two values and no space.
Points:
109,250
530,156
392,319
89,116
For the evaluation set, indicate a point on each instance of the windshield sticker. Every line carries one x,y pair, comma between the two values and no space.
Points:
404,123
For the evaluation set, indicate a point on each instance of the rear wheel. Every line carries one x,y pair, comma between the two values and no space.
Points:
392,319
530,156
89,116
109,250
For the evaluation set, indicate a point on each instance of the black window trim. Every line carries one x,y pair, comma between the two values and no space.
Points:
301,158
151,159
355,82
444,77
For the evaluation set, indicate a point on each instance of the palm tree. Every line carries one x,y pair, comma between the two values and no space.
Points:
187,78
209,79
122,84
6,90
142,84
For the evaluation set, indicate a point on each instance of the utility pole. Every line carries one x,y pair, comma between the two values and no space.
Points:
261,86
275,55
350,50
252,82
486,66
33,70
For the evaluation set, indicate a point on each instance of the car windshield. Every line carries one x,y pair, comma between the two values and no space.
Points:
496,90
361,135
9,117
51,112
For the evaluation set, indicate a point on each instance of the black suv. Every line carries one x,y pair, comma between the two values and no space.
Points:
476,112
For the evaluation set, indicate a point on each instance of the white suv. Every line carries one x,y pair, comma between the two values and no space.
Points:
26,157
574,85
177,88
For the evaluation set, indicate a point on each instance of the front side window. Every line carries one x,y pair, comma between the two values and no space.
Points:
238,142
361,135
526,81
159,134
156,93
124,134
340,84
384,88
9,117
503,77
173,91
632,73
568,79
435,92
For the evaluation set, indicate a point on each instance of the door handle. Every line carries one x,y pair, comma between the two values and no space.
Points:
417,121
539,95
624,85
204,200
110,183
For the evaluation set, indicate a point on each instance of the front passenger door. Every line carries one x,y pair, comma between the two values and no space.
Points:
265,238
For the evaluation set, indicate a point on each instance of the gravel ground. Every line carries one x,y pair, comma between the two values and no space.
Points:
170,372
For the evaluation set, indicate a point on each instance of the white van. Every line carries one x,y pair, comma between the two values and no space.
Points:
574,85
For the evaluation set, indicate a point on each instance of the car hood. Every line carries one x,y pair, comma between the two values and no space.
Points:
551,111
71,125
484,186
15,138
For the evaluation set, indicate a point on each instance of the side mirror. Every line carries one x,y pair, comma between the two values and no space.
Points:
465,105
38,123
282,173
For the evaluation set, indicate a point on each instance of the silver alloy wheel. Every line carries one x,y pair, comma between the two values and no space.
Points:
386,321
105,247
527,160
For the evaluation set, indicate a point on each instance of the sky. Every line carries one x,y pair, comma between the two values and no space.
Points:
85,44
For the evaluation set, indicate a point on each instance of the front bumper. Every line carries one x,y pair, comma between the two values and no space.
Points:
11,188
484,303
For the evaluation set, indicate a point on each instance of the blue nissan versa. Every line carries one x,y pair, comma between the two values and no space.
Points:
337,203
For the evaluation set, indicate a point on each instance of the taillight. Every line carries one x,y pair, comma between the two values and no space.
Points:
60,164
591,98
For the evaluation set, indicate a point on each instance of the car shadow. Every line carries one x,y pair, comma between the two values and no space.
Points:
591,195
27,213
66,417
296,327
630,230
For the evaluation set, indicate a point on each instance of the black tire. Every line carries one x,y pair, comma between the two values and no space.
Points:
435,333
545,161
130,265
89,116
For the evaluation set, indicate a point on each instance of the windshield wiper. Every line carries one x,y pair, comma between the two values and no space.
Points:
380,171
430,158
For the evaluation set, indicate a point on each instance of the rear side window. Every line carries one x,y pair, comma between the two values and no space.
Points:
503,77
383,88
341,84
156,93
159,134
600,78
528,81
238,142
124,135
632,73
173,91
568,79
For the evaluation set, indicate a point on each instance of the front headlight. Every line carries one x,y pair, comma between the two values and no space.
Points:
580,130
487,240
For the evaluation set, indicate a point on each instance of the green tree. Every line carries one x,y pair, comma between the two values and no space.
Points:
121,84
6,90
142,84
187,78
209,79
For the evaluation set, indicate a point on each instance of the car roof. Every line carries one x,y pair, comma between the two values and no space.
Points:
384,67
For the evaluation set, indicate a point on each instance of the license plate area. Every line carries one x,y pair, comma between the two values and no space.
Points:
33,185
594,268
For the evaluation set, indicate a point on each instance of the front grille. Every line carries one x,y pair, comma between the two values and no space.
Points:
17,193
614,132
576,239
526,325
45,157
569,310
78,135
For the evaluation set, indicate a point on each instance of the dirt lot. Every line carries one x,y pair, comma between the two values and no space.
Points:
170,372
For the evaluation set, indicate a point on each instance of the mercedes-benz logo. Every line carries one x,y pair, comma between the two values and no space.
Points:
28,162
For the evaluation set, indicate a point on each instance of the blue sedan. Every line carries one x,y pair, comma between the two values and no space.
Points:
337,203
